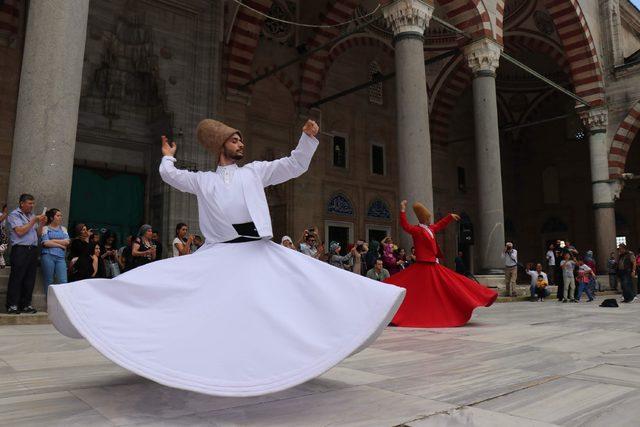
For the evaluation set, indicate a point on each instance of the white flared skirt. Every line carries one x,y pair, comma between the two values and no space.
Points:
240,319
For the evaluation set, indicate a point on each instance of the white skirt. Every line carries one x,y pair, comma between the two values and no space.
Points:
240,319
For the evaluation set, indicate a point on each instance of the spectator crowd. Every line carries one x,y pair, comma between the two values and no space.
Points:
90,253
573,273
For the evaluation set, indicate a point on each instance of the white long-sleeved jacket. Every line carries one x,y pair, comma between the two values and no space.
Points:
254,176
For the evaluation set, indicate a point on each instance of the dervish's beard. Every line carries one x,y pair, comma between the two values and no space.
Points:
237,155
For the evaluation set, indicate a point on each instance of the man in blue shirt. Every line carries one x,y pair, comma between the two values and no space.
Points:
24,231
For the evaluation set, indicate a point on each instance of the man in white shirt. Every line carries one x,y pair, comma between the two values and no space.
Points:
551,263
535,274
510,256
232,204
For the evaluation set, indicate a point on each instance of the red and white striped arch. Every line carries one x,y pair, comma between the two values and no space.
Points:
314,68
468,15
530,41
622,140
452,82
286,81
579,48
357,40
244,42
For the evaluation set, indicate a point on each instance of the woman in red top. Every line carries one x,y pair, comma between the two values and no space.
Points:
437,297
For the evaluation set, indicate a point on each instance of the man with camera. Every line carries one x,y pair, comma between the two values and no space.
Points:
510,256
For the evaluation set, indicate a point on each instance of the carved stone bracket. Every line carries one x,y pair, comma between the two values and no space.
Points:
483,56
408,16
595,119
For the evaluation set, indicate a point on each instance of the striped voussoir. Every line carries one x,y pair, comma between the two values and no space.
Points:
500,22
244,42
622,140
579,49
470,16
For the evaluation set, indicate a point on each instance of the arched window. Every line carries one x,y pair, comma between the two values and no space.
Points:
375,90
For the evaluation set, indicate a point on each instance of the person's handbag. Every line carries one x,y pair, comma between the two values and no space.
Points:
112,269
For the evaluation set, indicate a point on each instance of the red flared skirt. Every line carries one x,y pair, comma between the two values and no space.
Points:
438,297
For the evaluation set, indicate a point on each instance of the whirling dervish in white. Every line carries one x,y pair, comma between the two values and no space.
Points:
242,316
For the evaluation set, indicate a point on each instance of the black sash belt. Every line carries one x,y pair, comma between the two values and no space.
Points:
247,231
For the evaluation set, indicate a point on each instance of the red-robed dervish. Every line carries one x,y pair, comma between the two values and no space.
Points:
437,297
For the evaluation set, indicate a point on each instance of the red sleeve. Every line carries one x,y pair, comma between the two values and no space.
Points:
441,224
405,224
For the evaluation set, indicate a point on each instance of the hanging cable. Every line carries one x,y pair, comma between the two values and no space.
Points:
300,24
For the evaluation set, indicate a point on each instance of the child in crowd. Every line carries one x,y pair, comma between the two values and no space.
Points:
567,265
585,275
541,287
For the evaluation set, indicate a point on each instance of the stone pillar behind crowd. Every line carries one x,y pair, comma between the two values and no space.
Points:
483,57
49,95
409,19
596,120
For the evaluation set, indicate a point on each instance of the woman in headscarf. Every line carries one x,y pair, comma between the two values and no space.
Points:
436,296
143,251
372,254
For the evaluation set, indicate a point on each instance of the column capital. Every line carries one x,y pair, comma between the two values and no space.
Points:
595,119
483,56
408,16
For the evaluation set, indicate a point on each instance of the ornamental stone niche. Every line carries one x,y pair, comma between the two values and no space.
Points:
126,82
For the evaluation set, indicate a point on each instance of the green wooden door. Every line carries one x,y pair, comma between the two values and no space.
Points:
108,200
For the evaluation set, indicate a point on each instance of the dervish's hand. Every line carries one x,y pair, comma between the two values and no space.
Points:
403,206
456,216
168,148
311,128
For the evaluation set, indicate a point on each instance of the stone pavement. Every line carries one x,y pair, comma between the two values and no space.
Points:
516,364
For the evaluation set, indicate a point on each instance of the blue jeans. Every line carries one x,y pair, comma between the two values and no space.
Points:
584,287
53,266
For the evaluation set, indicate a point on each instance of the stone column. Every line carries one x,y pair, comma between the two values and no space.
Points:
483,57
596,120
409,19
49,96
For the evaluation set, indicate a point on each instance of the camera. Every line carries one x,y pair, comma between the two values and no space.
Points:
360,248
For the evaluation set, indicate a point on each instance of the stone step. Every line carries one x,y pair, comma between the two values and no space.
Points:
38,299
40,318
552,297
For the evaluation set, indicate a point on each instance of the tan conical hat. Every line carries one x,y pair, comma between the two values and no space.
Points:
423,214
212,134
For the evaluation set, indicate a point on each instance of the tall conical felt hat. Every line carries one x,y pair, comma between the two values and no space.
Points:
212,134
421,211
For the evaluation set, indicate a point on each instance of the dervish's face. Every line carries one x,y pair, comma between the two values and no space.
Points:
234,147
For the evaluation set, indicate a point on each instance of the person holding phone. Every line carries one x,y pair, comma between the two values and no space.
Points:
25,229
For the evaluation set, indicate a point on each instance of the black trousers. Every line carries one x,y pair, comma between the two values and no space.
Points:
626,282
24,264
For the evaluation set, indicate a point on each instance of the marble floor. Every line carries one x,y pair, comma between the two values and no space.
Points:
516,364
